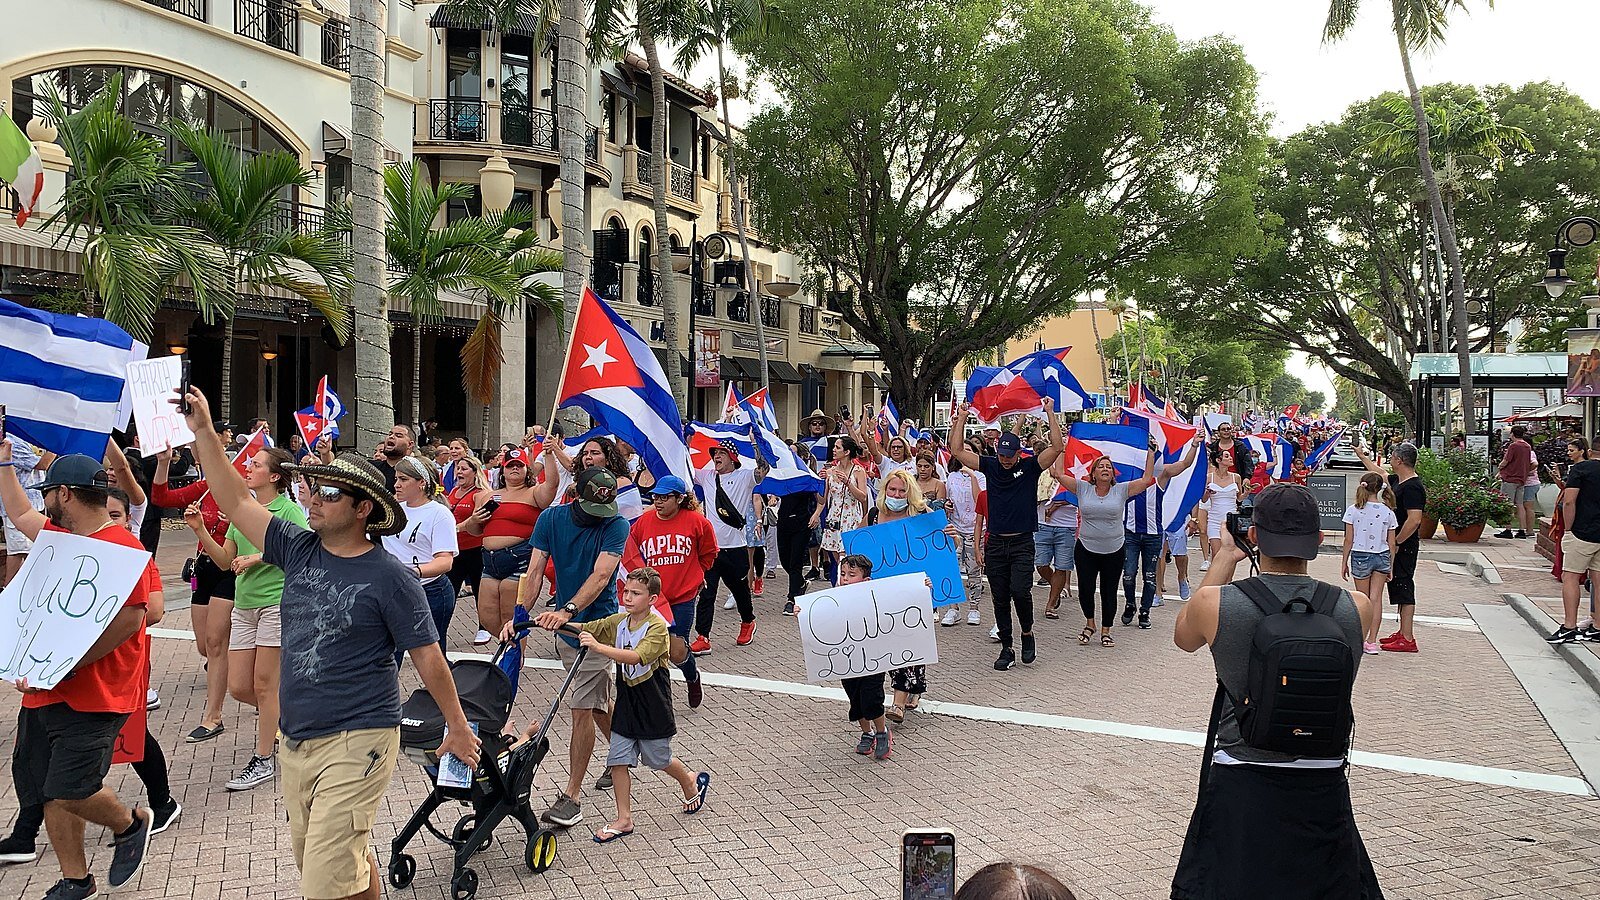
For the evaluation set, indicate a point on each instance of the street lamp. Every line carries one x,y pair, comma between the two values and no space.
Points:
1578,231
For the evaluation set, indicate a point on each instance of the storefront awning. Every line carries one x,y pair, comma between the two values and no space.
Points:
475,17
336,141
683,362
876,380
784,371
740,368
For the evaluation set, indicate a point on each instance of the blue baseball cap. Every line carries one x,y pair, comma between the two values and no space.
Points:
669,484
1009,445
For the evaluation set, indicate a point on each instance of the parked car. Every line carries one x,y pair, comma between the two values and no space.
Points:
1344,455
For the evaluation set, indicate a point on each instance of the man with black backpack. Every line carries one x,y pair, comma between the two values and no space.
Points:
1273,817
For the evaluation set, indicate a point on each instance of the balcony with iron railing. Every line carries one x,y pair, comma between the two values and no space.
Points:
193,9
681,180
275,23
706,303
336,44
771,312
466,119
808,320
458,119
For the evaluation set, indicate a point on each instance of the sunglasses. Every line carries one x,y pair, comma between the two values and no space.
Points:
330,493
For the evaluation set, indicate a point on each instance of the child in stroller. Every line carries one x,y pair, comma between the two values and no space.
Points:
503,780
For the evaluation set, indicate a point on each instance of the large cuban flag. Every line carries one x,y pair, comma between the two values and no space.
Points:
703,437
1183,491
612,375
1126,445
63,378
786,474
1020,387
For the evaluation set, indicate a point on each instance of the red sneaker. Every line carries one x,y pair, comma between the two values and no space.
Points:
747,633
1397,636
758,585
701,646
1402,645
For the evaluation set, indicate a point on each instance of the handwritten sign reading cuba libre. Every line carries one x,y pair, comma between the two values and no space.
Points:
867,628
60,602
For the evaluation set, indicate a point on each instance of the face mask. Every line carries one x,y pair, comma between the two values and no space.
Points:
896,504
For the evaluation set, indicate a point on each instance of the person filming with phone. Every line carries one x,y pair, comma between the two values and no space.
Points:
1273,817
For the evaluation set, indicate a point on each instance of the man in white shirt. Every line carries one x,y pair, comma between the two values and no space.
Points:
728,490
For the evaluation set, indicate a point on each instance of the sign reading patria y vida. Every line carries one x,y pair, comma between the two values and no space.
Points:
867,628
60,602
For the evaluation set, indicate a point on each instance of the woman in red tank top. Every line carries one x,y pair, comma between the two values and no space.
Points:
470,487
505,528
211,597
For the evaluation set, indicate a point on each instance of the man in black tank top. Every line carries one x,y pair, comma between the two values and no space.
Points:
1292,812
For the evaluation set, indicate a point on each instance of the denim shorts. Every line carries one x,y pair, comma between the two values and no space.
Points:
1052,546
507,563
1363,565
1177,542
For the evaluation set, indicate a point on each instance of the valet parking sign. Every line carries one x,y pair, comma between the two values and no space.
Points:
60,603
867,628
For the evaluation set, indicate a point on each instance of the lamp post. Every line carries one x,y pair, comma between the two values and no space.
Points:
1578,231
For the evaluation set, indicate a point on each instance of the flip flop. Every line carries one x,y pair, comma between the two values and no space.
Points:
703,782
611,834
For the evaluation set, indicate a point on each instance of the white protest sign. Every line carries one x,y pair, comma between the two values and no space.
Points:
867,628
62,599
152,384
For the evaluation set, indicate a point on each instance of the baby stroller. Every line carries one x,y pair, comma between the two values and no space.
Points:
502,781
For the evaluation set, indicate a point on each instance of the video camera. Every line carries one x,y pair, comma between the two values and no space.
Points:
1238,525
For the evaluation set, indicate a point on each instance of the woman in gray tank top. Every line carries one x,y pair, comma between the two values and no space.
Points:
1099,554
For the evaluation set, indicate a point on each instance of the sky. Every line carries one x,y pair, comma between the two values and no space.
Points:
1304,82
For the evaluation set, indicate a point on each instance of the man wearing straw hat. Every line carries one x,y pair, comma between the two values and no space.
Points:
348,606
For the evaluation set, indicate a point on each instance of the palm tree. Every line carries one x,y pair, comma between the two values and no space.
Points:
1418,25
476,256
368,300
572,81
240,210
716,25
120,201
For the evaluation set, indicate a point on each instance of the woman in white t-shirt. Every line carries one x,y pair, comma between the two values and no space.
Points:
427,545
1369,526
962,489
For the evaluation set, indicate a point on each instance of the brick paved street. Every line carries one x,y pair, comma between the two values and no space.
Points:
793,813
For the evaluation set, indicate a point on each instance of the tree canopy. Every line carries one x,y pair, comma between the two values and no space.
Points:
1348,275
959,169
1185,366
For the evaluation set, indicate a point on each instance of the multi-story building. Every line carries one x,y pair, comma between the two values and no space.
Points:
468,103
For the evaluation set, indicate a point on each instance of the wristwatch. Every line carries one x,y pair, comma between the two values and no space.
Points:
570,609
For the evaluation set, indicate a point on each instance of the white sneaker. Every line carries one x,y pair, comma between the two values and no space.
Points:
482,637
152,700
728,603
994,633
259,769
772,573
1205,565
950,616
973,618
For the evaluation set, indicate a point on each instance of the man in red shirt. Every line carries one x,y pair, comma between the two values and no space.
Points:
676,540
65,735
1517,466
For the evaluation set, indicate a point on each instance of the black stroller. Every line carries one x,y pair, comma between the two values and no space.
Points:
501,784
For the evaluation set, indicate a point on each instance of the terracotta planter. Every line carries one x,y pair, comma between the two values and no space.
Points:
1428,528
1466,535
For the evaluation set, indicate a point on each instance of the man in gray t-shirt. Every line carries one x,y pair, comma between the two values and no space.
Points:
347,607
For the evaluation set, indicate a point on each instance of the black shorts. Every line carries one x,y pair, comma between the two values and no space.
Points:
866,696
210,581
1403,580
506,563
62,754
1287,834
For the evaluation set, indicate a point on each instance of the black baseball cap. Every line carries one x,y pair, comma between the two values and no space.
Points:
76,471
1009,444
1287,521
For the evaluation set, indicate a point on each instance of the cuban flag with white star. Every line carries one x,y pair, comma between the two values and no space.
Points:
612,375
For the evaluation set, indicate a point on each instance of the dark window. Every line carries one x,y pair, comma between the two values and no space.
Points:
463,208
463,77
608,116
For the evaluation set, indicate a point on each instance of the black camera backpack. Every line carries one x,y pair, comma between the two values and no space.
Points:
1301,675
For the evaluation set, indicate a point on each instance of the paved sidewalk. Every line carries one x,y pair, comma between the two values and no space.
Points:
794,813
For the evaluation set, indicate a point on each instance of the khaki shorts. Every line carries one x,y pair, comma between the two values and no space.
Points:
591,689
254,628
331,789
1578,555
16,541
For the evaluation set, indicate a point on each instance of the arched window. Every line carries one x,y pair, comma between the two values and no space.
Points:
151,99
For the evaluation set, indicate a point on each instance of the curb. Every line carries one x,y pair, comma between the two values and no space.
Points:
1586,664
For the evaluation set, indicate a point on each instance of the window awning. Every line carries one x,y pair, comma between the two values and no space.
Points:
336,141
710,130
740,368
683,362
876,380
476,17
618,86
784,371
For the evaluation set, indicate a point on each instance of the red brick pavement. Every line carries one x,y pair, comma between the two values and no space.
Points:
794,813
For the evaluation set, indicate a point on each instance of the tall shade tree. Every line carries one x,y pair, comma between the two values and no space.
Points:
241,209
475,257
368,299
1420,25
120,201
713,28
964,168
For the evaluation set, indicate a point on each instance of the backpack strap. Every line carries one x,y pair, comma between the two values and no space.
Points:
1325,598
1261,595
1211,736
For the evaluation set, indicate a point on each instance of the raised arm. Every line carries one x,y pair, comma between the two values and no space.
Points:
14,500
1372,465
958,443
226,484
1143,482
118,463
869,436
1057,443
1170,472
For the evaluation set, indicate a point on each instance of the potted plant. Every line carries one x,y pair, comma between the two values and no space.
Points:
1464,506
1436,474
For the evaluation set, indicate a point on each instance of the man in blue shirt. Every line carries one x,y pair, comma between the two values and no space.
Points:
584,539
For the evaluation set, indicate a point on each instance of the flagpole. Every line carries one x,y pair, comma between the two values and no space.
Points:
561,382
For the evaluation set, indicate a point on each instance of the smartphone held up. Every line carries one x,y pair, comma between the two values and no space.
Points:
928,864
